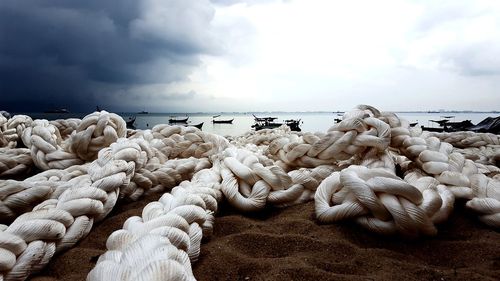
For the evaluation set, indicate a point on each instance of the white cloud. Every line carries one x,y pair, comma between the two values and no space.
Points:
325,55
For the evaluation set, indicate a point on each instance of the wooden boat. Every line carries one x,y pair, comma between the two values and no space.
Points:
175,120
293,124
199,126
228,121
130,122
413,124
58,110
264,119
440,122
433,129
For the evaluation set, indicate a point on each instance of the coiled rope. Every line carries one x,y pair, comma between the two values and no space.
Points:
371,167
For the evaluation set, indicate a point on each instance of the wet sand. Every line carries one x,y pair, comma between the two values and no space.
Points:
288,244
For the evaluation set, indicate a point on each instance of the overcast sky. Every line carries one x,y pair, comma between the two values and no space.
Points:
229,55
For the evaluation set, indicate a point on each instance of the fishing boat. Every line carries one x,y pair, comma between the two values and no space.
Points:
228,121
178,120
445,125
130,122
433,129
266,124
264,119
440,122
199,125
58,110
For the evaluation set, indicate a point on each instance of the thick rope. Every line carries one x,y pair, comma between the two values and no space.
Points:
122,166
451,168
66,127
379,201
162,243
358,132
354,171
15,162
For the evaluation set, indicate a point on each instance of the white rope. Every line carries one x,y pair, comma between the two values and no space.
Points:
487,199
14,129
378,200
162,243
66,127
15,162
57,224
467,139
358,132
122,166
350,170
451,168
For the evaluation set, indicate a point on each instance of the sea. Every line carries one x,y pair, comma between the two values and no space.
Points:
310,121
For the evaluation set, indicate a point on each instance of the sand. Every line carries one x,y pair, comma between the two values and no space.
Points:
288,244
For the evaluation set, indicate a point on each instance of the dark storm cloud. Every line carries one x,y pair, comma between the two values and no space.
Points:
75,54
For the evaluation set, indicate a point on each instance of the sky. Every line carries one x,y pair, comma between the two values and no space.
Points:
261,55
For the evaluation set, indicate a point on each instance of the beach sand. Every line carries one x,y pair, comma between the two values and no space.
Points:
288,244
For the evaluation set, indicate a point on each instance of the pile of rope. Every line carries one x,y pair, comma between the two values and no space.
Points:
162,243
371,168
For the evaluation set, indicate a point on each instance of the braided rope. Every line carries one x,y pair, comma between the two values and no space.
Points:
15,162
379,201
357,133
66,126
487,199
162,243
92,200
467,139
14,128
3,127
451,168
57,224
350,170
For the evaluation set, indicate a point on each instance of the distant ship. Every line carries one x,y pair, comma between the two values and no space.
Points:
59,110
143,112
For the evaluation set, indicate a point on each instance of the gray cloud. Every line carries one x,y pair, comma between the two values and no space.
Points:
460,36
478,59
57,53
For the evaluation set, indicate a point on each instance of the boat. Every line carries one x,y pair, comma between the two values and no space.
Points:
227,121
199,125
130,122
143,112
441,122
293,124
433,129
413,124
59,110
488,125
448,126
175,120
264,119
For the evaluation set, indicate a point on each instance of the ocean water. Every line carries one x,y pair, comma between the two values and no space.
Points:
310,121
